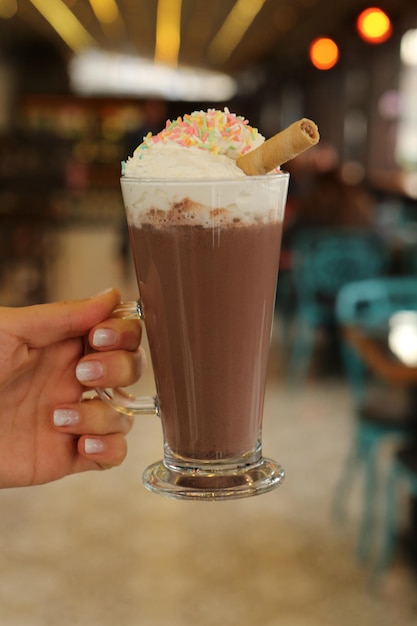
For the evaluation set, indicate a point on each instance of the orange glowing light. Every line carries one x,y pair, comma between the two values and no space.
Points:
373,25
324,53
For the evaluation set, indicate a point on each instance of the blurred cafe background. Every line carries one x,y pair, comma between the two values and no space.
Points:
81,83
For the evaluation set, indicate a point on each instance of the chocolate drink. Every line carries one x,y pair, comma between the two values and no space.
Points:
208,299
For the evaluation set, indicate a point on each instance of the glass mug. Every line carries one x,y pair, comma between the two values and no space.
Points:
206,255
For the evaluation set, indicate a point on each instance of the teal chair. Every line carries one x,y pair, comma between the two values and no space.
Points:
370,303
402,473
323,260
410,260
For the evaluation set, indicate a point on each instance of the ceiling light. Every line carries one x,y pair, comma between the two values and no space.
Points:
323,53
8,8
168,28
373,25
102,73
106,11
63,20
233,29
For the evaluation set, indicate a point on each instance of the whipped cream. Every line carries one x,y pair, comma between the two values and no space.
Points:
200,145
170,160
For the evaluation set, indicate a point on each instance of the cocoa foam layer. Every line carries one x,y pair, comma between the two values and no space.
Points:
188,212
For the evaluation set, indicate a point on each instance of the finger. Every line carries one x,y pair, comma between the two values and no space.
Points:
111,369
116,334
93,417
101,453
43,324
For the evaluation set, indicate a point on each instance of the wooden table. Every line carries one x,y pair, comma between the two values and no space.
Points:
375,353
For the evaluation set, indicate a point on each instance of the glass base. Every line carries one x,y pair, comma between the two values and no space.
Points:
208,484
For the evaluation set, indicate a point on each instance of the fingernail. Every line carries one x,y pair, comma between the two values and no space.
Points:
104,337
89,370
142,361
66,417
102,293
93,446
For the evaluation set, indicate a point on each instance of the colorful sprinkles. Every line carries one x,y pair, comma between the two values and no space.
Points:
219,132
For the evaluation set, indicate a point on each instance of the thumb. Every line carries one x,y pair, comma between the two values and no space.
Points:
44,324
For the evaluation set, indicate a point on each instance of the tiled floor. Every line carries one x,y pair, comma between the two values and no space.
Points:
100,550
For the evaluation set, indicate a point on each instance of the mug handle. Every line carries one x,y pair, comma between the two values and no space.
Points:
119,398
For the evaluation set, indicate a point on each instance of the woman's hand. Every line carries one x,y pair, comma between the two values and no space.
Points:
47,430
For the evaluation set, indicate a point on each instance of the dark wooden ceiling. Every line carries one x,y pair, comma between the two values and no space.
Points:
280,32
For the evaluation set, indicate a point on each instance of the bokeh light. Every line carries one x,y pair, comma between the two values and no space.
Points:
409,47
373,25
324,53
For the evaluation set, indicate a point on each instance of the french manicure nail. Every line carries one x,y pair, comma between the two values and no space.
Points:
102,293
89,370
142,361
66,417
93,446
104,337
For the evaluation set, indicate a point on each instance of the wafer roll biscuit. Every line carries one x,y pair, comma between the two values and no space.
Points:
280,148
